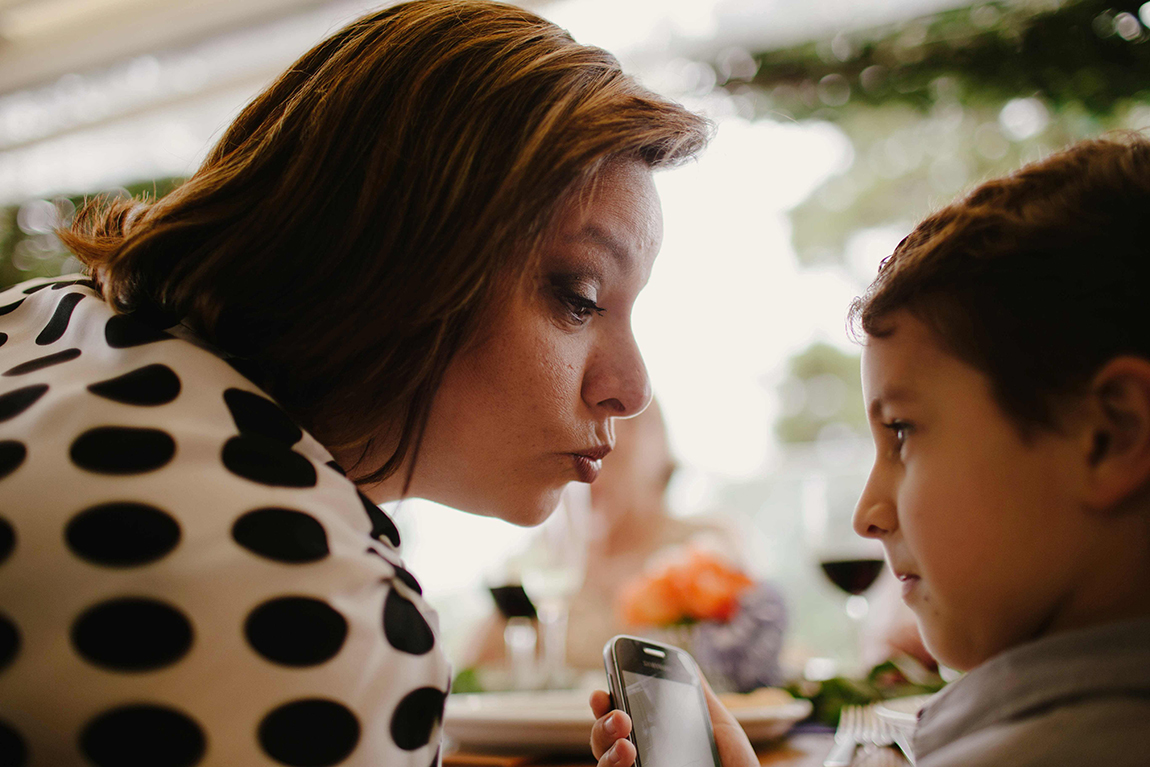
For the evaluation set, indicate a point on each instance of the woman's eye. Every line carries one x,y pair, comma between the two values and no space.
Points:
578,306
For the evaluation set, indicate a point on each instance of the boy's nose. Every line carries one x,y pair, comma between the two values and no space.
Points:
871,519
874,515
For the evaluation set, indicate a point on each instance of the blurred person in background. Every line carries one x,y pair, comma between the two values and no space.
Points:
407,269
634,538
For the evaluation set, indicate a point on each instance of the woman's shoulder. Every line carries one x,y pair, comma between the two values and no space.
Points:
124,393
95,404
191,544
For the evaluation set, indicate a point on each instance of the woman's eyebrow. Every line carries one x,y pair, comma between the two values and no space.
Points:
604,239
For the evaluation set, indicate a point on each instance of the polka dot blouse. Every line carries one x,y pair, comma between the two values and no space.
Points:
186,577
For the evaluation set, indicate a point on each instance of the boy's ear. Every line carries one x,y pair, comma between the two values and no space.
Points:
1118,449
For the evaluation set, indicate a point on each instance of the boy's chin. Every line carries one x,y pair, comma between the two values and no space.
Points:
952,649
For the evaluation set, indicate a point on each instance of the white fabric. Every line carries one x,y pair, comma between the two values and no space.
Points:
50,692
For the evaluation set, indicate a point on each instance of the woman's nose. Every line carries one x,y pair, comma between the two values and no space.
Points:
875,515
616,380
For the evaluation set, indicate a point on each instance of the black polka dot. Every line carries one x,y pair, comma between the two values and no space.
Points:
309,733
143,736
123,331
381,524
13,751
36,288
267,462
70,283
284,535
9,308
3,338
408,579
7,539
56,326
400,572
16,402
122,534
257,416
296,631
122,450
149,385
336,467
416,717
405,627
12,454
132,634
9,642
48,360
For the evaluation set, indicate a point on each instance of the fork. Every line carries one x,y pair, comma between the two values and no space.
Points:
858,725
846,737
872,730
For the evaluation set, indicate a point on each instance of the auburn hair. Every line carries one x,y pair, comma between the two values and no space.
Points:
1037,279
346,232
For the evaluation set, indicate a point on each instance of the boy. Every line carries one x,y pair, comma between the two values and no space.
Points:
1006,371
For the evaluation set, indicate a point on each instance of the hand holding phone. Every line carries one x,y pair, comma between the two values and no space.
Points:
668,715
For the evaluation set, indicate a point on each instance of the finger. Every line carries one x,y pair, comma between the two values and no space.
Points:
607,730
600,704
719,713
622,754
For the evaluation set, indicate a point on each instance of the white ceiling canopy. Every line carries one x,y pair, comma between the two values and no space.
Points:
101,92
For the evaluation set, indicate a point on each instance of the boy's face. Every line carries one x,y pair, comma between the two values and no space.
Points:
979,525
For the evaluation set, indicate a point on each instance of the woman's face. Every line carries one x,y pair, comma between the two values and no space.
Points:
529,406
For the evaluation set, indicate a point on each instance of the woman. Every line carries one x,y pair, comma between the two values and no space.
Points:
411,260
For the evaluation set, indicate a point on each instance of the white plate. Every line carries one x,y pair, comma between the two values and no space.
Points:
562,720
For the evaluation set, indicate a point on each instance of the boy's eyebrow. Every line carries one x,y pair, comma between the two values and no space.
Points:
894,394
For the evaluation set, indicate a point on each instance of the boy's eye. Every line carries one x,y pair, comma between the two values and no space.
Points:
900,429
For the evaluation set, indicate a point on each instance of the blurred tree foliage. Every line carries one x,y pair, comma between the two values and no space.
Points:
935,104
932,106
821,396
28,243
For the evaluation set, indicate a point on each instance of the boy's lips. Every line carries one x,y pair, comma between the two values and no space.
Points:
908,580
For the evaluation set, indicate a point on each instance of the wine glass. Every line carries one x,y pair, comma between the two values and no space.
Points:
553,569
849,561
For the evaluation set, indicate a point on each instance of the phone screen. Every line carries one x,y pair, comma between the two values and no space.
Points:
670,729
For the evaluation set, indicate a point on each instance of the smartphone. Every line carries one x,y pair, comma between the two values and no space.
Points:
659,686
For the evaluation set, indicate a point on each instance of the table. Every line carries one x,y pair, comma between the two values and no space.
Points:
797,750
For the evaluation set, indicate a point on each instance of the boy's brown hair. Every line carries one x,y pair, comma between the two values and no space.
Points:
1037,279
351,225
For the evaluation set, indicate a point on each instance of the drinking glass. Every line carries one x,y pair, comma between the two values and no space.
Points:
553,569
852,563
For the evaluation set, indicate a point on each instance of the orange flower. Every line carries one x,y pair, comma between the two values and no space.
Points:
700,586
649,601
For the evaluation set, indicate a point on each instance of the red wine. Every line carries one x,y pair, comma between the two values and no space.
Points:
853,576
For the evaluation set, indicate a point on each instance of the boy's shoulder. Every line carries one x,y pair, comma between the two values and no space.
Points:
1098,730
1078,697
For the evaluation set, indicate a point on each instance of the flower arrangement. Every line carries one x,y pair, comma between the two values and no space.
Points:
696,585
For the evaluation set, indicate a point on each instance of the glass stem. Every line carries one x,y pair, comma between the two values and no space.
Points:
553,619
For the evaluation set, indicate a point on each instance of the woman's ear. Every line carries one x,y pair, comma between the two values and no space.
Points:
1117,447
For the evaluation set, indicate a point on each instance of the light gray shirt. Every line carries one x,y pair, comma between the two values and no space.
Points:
1075,698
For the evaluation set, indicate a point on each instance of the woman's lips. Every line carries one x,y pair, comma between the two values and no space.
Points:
587,467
